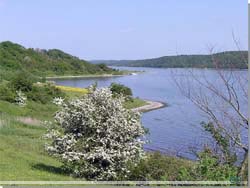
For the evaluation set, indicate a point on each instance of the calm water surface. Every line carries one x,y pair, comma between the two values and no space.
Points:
173,130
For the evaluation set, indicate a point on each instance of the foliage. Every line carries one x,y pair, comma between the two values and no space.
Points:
14,57
208,168
119,89
230,59
22,81
7,93
44,93
217,164
224,149
158,167
103,67
24,84
95,136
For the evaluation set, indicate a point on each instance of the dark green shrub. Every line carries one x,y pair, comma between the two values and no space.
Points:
157,167
208,168
119,89
44,93
7,93
103,67
22,81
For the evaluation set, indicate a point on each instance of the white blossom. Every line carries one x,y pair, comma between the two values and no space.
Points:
58,101
96,136
20,98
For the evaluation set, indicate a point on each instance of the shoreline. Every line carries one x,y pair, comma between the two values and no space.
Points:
151,105
85,76
127,73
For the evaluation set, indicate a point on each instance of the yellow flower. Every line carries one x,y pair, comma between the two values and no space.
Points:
73,89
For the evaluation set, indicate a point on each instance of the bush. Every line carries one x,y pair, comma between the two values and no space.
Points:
103,67
158,167
119,89
22,81
7,93
208,168
44,93
95,136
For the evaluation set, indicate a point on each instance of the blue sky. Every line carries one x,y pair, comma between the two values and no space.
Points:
125,29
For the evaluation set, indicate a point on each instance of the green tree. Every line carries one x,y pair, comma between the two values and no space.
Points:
119,89
22,81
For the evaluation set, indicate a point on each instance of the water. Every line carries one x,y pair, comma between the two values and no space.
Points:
174,129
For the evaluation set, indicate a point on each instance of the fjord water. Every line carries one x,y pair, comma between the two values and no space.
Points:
175,129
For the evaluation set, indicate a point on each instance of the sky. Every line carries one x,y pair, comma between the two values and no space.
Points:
125,29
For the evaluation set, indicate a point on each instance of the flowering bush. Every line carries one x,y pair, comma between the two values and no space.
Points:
96,137
58,101
20,98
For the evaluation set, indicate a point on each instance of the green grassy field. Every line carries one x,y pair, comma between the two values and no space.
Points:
22,154
32,109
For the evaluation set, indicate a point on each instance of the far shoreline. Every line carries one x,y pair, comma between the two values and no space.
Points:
86,76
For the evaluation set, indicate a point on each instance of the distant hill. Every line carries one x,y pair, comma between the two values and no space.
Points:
229,59
40,62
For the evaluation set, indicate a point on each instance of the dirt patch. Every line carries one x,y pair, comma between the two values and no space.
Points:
29,120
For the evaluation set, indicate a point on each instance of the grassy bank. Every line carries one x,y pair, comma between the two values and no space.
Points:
32,109
22,154
134,103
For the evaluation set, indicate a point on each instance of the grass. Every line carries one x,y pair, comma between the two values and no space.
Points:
22,154
134,103
32,109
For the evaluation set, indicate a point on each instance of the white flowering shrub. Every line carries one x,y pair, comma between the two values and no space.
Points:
96,137
20,99
58,101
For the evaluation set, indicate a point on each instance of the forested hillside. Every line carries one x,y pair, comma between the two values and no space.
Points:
40,62
230,59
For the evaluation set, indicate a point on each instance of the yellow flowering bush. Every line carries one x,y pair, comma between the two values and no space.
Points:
73,89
